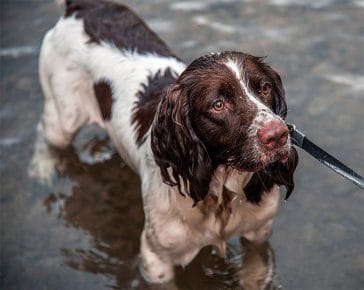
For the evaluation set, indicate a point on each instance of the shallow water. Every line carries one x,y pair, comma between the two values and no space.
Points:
82,230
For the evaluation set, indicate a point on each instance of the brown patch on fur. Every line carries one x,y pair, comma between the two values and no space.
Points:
117,24
175,144
149,98
103,94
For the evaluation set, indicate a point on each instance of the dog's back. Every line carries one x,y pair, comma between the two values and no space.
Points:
116,23
102,64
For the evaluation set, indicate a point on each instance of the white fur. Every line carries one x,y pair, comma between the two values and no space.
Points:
174,231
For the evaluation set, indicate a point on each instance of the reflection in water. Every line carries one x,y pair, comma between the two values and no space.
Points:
103,199
246,266
104,202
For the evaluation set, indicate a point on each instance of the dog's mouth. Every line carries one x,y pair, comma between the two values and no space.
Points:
258,161
281,155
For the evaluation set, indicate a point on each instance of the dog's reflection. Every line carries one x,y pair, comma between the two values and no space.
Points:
103,199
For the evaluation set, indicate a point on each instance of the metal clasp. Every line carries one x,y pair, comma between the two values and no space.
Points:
297,137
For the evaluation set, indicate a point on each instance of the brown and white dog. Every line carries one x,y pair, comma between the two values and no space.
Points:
208,140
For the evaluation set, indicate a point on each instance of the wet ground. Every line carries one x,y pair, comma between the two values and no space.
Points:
82,231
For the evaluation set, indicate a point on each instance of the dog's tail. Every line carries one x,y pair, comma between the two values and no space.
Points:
71,6
64,4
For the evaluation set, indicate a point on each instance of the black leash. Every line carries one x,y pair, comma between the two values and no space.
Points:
300,140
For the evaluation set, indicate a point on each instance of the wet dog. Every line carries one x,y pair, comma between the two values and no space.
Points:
208,140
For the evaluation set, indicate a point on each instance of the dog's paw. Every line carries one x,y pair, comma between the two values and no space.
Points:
42,167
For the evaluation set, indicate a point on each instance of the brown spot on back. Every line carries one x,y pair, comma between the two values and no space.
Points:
116,23
103,94
148,100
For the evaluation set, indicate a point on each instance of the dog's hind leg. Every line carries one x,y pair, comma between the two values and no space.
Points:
62,117
68,93
64,112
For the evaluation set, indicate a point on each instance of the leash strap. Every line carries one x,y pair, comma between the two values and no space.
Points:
300,140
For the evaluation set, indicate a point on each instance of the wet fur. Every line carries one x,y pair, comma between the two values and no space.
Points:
202,175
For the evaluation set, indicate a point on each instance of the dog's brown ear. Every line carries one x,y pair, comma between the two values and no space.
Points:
279,95
276,173
179,153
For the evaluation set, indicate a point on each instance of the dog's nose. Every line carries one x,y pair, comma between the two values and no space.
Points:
273,134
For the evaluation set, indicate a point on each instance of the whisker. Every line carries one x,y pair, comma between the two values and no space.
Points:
260,178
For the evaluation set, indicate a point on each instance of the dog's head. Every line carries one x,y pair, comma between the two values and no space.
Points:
224,109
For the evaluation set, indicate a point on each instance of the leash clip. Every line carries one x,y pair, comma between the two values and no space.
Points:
297,136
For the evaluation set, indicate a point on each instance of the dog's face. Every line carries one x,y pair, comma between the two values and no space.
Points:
237,110
225,109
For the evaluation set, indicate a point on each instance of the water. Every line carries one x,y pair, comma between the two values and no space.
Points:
82,230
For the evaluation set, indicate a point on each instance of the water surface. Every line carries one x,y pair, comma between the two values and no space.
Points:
82,230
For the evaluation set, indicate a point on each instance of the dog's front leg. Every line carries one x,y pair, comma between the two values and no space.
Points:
154,268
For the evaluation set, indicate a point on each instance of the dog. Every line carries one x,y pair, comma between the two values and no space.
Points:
207,139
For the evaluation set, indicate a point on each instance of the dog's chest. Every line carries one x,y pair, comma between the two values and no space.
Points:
226,212
238,216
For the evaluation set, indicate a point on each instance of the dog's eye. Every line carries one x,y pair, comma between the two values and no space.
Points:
218,105
266,89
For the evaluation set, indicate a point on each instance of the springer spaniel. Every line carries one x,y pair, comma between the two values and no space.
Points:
208,140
